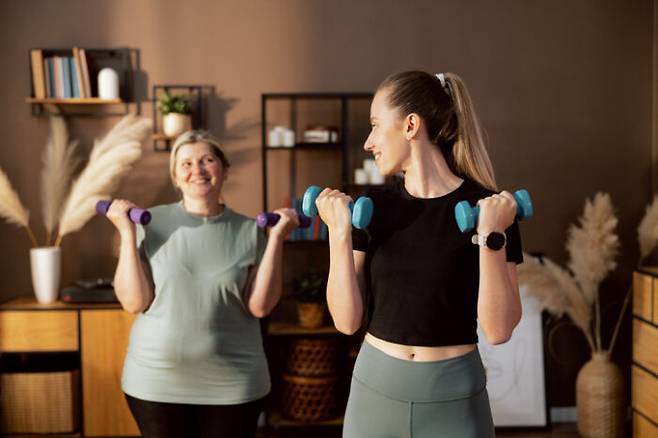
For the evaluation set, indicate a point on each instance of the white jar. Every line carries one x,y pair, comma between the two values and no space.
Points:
360,176
288,138
108,84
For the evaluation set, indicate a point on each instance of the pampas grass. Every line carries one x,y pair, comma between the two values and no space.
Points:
59,164
647,231
593,247
111,158
11,207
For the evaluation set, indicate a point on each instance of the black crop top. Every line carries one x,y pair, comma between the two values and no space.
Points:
422,272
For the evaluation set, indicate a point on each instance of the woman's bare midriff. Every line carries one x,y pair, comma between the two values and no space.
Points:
417,353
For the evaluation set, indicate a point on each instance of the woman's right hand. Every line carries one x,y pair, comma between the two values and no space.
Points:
118,215
333,207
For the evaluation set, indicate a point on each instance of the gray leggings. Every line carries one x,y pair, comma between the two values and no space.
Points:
396,398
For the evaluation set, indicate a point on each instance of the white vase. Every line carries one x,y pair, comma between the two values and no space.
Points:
174,124
108,84
45,263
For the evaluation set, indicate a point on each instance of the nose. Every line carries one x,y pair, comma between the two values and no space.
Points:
368,145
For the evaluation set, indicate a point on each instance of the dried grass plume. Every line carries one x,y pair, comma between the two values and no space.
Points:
11,207
111,158
59,164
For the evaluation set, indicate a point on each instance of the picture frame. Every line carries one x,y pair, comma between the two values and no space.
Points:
516,371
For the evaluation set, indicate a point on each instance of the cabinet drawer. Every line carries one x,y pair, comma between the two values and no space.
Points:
645,345
644,387
642,295
643,428
38,331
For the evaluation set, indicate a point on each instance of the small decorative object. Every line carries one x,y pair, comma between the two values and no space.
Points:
281,136
68,206
374,176
45,264
175,110
321,134
593,247
309,292
288,138
361,176
108,84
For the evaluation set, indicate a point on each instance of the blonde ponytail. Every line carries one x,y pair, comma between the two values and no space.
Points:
469,151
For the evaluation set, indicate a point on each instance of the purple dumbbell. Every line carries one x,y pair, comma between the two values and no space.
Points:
137,215
270,219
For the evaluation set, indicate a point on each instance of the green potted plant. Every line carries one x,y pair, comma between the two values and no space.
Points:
309,291
175,110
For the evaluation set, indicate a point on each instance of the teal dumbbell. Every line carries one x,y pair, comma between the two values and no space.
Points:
467,216
361,209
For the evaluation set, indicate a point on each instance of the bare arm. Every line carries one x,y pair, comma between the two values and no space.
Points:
132,285
499,302
264,287
346,279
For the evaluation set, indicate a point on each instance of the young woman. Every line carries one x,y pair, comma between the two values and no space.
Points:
418,282
199,276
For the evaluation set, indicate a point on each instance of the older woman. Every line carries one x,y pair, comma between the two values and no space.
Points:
199,276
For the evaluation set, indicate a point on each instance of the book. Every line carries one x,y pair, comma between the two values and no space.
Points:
75,91
57,76
48,73
38,79
78,72
84,65
66,77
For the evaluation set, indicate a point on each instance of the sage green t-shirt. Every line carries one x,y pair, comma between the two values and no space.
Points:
197,343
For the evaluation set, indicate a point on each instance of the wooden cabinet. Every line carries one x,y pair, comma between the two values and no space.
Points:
97,335
644,373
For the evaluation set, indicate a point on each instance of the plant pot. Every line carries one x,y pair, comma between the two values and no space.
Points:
600,400
45,263
174,124
311,315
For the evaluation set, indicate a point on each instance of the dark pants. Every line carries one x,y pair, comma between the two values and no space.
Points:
177,420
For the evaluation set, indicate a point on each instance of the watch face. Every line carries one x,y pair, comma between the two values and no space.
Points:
495,240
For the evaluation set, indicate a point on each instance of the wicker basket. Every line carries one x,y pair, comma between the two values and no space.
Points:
311,315
39,402
309,399
600,398
312,357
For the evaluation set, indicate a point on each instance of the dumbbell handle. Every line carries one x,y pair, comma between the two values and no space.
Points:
267,219
361,210
137,215
467,216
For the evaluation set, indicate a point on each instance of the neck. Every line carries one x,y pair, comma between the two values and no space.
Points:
427,174
202,206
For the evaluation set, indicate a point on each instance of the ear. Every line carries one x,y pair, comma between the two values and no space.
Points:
411,126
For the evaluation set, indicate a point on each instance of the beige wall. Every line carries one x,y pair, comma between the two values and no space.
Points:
563,89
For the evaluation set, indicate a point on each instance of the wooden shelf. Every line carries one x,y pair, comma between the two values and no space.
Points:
286,329
75,101
308,146
276,420
159,136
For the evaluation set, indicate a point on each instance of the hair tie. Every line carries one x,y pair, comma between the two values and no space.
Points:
446,87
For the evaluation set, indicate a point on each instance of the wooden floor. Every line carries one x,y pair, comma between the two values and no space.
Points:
559,430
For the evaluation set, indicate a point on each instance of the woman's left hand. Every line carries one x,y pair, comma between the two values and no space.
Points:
497,213
287,222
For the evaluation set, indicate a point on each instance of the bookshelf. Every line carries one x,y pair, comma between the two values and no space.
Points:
286,172
64,80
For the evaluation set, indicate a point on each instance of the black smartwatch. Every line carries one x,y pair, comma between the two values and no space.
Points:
493,240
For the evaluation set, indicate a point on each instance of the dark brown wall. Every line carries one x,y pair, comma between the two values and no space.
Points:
564,90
